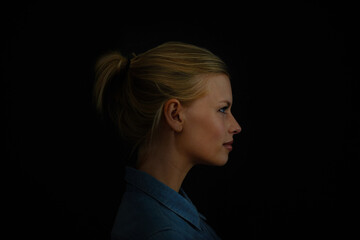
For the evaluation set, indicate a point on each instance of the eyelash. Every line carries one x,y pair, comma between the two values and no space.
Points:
223,109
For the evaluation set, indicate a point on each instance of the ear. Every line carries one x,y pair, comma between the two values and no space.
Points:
173,113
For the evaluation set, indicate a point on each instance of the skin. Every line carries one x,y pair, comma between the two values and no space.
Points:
192,134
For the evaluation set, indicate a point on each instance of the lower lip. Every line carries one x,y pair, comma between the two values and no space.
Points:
228,146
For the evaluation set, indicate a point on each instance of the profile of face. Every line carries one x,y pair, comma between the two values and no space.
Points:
209,125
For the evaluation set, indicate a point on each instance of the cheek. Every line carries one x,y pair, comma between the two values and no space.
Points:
215,130
204,139
209,129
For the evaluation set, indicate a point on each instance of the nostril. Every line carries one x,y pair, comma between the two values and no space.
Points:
238,130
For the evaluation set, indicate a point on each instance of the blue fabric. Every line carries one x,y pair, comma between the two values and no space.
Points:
151,210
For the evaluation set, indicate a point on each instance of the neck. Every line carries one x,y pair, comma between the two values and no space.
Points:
164,165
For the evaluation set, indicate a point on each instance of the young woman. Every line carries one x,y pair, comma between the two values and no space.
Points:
173,103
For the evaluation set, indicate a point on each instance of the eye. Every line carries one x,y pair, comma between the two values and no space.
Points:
223,109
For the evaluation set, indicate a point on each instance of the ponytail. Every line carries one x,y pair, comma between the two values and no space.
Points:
111,72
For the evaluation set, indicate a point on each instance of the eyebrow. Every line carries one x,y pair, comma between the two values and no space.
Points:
227,102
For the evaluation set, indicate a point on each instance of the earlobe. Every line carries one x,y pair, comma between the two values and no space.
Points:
173,114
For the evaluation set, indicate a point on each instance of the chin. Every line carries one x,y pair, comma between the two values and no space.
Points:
222,163
219,159
219,162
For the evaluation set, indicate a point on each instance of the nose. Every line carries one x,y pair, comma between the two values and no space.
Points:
235,128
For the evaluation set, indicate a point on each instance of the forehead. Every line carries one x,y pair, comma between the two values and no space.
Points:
219,87
218,90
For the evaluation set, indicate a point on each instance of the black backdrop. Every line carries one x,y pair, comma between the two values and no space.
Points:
292,172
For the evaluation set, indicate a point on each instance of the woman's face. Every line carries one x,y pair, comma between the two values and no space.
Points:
209,125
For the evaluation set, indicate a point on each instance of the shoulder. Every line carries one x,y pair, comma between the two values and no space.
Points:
138,211
141,207
167,234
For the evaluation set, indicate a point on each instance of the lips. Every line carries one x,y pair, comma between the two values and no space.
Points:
228,145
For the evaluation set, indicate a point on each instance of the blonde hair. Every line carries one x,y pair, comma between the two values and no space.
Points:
133,91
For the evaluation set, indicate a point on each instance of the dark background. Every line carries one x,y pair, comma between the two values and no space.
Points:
291,174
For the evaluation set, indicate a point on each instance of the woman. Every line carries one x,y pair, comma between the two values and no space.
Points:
173,104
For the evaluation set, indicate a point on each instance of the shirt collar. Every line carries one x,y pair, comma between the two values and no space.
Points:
179,203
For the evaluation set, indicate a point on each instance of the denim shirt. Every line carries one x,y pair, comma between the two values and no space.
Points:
151,210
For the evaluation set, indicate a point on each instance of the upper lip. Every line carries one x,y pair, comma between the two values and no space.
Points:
229,143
